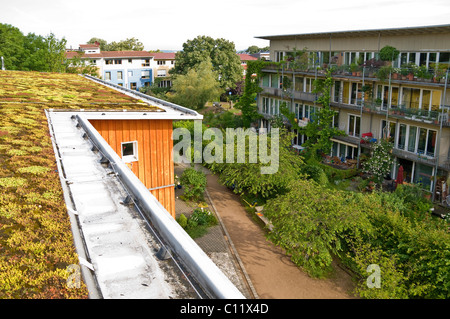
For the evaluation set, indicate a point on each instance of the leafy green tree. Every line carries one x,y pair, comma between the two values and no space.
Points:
78,65
55,54
255,49
11,46
32,52
247,102
246,175
221,52
35,52
198,86
320,130
130,44
103,43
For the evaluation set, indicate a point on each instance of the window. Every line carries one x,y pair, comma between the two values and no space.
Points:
146,62
161,73
107,76
389,130
337,90
266,80
118,61
298,84
354,125
129,151
130,73
133,85
108,61
130,60
161,62
145,74
401,137
119,75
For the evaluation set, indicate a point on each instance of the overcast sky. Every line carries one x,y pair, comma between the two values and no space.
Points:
166,25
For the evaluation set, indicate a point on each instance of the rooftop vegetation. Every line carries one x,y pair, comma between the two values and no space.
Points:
36,244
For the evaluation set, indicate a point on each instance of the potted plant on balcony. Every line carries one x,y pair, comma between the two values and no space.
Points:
439,71
354,69
389,53
383,72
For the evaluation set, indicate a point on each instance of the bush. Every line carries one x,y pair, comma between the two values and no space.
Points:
313,223
317,174
197,224
182,220
194,183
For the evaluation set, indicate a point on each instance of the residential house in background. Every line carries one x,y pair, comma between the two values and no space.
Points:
130,69
244,58
408,102
161,63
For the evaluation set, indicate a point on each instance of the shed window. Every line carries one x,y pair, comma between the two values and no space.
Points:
129,151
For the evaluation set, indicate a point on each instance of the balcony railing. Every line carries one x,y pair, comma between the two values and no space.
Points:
372,69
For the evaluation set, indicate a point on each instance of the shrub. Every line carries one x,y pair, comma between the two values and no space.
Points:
194,183
182,220
317,174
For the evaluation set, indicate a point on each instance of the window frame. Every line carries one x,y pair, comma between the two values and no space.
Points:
134,156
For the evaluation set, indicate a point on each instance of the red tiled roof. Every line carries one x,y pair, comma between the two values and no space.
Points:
89,46
163,55
246,57
113,54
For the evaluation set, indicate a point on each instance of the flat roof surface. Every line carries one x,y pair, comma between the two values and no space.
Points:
120,246
363,33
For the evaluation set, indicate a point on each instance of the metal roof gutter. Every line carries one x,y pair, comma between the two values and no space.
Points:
146,97
86,269
199,264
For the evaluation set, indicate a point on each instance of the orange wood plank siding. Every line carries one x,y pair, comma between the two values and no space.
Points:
154,167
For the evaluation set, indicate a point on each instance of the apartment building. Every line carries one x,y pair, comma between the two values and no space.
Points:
161,64
405,99
130,69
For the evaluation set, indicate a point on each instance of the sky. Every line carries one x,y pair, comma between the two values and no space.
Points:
166,25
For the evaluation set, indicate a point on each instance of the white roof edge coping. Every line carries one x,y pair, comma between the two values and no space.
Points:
138,115
200,265
165,105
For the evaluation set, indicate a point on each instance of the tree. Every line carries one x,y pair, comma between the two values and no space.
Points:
79,65
11,46
255,49
320,130
225,61
130,44
198,86
388,53
247,102
103,43
55,54
32,52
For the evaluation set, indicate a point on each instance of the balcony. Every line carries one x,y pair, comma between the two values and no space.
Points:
304,96
373,70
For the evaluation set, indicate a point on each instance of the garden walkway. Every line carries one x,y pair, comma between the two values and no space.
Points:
273,275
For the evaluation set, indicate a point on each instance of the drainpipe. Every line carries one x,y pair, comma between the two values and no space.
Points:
3,64
362,105
439,143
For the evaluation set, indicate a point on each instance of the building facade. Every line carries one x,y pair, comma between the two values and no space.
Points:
130,69
405,99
